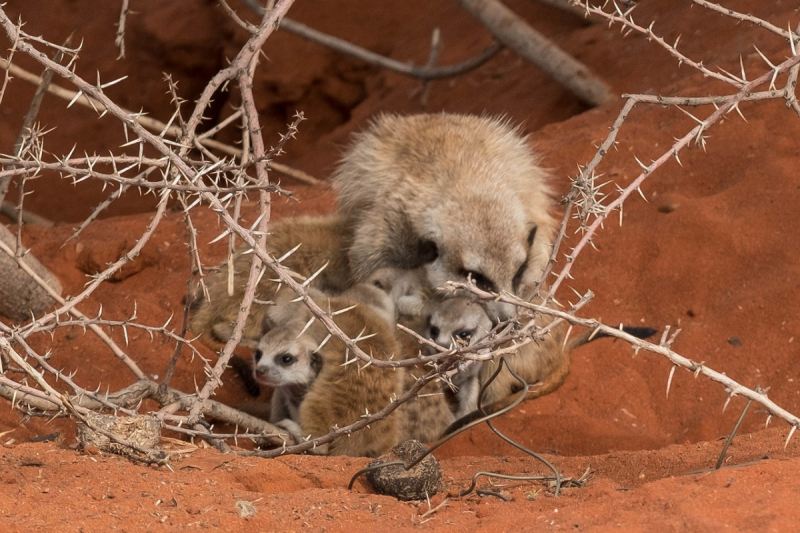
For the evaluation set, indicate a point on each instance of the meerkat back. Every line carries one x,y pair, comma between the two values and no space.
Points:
323,240
345,390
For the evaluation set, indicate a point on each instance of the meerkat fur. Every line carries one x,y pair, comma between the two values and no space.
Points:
293,356
462,196
346,390
322,241
428,415
461,321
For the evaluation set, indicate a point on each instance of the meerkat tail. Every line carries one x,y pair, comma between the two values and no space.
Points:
552,382
592,335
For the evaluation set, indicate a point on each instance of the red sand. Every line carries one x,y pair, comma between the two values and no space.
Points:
723,263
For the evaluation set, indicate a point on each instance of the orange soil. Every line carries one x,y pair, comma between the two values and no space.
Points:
724,262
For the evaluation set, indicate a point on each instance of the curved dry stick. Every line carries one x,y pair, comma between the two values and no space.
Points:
515,33
425,73
66,405
732,387
116,350
746,18
565,5
120,38
355,426
345,47
134,394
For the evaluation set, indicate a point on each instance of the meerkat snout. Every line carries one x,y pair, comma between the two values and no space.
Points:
283,360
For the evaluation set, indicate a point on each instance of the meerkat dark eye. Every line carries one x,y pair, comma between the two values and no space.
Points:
464,335
378,284
531,237
427,251
481,281
518,276
258,355
285,359
434,332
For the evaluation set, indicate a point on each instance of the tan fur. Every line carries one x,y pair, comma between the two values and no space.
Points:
546,362
323,239
426,416
342,394
287,334
465,189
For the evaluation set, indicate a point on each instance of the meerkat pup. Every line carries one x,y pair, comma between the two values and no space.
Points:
303,363
462,196
544,363
428,415
286,359
346,390
461,321
322,240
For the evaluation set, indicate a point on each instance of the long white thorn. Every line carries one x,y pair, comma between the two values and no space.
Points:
669,381
791,433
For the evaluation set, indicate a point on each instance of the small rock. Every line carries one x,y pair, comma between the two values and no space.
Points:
245,509
418,483
736,342
144,431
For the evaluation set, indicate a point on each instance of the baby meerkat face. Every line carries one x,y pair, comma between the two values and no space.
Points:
458,321
283,359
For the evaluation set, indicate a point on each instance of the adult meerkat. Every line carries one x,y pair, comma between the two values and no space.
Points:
463,196
323,240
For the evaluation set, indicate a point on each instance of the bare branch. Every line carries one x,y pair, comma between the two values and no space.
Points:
515,33
120,38
347,48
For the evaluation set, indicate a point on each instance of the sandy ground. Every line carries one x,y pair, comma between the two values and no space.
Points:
714,251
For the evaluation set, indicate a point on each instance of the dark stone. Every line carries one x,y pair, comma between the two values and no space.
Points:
418,483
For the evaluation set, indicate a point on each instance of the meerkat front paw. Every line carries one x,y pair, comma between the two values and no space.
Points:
293,428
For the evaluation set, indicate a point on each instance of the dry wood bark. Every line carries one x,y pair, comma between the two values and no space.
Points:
515,33
20,295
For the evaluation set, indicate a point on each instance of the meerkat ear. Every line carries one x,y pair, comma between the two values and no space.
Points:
532,236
